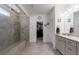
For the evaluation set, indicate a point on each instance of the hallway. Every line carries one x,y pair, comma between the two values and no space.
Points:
39,49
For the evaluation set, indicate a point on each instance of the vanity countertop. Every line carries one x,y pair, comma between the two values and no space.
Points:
71,37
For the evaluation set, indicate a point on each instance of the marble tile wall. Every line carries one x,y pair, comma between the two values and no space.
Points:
8,32
24,20
12,30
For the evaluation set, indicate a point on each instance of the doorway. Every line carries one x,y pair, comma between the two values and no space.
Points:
39,31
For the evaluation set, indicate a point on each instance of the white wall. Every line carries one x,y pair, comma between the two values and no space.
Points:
33,20
51,17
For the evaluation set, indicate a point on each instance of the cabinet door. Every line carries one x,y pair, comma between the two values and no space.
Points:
71,43
70,50
77,51
60,44
57,42
77,48
62,47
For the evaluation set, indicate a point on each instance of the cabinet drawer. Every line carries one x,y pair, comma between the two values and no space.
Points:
70,50
70,42
61,39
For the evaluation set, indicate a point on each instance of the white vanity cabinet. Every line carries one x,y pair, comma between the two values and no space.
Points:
67,46
70,47
60,44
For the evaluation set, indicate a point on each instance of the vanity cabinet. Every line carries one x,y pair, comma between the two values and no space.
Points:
66,46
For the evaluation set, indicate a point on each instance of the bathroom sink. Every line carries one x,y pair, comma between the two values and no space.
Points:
67,34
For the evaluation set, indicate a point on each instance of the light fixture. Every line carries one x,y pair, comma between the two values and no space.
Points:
4,12
63,14
75,8
70,10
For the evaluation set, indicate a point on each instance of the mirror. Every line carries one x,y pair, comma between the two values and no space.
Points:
71,21
76,23
64,15
69,16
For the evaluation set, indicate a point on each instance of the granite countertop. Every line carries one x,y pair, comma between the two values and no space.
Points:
71,37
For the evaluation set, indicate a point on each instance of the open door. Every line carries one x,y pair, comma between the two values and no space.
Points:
39,31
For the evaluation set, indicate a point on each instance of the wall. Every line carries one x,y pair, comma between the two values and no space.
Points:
24,21
14,20
7,30
33,21
51,17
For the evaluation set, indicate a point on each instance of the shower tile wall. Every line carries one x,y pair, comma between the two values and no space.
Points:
8,31
24,27
13,29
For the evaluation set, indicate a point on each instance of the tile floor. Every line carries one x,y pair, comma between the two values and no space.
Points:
39,48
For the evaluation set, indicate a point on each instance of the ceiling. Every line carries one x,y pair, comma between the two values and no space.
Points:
38,8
